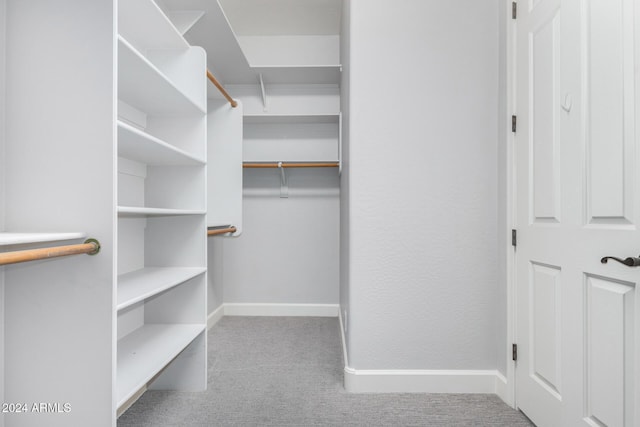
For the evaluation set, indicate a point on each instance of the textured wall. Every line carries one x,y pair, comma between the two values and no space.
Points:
422,184
288,250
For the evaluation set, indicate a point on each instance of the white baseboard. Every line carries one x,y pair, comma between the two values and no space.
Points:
215,317
307,310
421,381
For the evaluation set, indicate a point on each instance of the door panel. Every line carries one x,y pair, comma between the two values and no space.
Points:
608,49
609,348
545,321
544,71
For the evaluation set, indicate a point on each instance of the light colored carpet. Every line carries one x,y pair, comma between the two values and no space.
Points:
287,371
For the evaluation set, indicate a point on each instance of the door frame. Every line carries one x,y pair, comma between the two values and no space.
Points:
510,26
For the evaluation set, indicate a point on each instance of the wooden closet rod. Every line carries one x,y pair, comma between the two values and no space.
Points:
215,231
89,247
252,165
217,84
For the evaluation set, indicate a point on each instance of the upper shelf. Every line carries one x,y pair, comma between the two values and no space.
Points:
143,86
23,238
320,74
137,145
228,61
146,26
291,118
213,33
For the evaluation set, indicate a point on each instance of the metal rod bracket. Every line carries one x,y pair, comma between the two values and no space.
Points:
96,243
264,94
284,186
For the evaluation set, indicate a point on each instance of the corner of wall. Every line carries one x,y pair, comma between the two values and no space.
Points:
345,42
3,27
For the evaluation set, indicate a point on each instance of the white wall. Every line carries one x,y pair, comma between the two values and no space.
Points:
288,250
421,182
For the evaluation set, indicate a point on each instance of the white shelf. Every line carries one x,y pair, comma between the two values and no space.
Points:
137,145
146,26
305,161
132,211
214,34
142,284
291,118
144,352
183,20
320,74
22,238
143,86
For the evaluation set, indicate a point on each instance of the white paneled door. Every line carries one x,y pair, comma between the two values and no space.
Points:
577,200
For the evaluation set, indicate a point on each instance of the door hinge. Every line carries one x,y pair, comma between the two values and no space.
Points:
514,352
514,238
514,10
514,123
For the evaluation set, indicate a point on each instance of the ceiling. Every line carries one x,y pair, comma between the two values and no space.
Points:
283,17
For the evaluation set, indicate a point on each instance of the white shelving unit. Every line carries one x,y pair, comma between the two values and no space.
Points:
115,145
161,285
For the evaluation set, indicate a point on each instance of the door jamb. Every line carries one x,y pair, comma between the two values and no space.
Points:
510,174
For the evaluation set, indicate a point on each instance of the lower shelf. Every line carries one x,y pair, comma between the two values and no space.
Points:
146,351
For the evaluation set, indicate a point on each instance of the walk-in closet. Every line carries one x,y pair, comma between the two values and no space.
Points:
370,211
159,171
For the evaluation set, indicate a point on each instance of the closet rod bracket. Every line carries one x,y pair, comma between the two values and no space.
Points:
284,186
96,244
264,94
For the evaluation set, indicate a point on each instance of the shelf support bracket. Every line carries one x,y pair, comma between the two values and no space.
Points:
264,93
284,186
